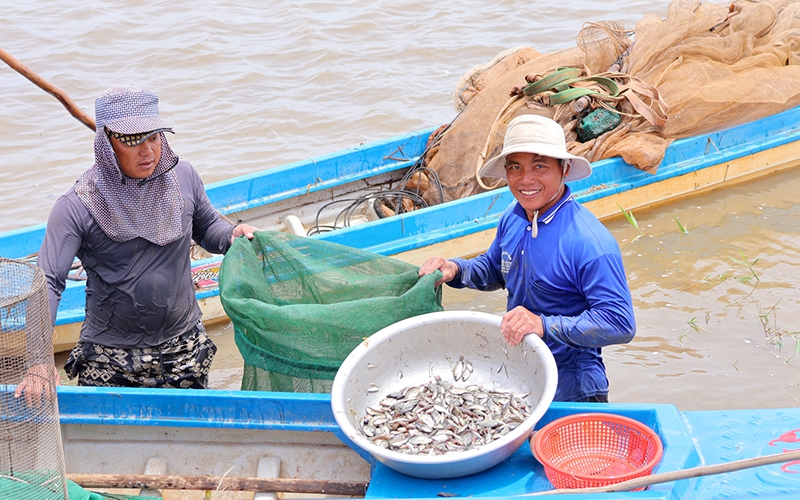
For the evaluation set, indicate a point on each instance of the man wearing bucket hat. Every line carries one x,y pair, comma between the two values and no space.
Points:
562,268
131,219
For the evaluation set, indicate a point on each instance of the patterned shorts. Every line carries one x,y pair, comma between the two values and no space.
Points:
182,362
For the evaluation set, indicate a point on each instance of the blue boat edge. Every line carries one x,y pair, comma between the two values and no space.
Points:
690,438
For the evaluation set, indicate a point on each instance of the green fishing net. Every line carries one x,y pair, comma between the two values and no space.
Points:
28,486
299,306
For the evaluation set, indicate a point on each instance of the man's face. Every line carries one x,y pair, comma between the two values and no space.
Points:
535,181
139,161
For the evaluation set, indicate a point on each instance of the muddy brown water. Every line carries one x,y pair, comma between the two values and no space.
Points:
710,335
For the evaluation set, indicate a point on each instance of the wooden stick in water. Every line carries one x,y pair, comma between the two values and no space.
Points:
221,483
48,87
665,477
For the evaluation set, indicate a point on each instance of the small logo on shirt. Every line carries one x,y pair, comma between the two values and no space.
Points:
505,263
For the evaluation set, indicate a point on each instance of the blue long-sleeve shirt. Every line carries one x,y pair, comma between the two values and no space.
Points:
572,276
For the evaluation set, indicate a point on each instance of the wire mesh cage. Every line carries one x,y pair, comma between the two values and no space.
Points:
31,453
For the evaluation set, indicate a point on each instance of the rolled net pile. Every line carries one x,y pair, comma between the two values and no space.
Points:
703,68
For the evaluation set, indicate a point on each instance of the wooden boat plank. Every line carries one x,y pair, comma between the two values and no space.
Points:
613,183
698,181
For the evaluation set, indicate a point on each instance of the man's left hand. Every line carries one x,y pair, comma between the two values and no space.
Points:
519,322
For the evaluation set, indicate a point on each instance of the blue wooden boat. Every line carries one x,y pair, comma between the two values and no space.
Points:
216,433
298,196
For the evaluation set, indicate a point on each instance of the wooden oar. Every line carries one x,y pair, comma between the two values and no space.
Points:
220,483
64,98
48,87
665,477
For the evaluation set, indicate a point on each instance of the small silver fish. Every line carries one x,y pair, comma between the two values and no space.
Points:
439,417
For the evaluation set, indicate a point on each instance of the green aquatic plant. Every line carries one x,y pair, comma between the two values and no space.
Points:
680,226
775,335
631,220
749,265
692,326
745,280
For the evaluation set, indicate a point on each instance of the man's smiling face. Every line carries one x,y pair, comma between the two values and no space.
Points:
535,181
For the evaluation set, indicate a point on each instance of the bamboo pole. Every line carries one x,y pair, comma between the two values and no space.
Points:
665,477
220,483
284,485
49,88
59,94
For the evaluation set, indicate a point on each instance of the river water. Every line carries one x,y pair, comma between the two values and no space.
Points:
253,85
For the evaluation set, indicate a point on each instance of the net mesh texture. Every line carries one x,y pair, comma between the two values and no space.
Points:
299,306
31,454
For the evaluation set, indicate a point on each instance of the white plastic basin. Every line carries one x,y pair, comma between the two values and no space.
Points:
413,352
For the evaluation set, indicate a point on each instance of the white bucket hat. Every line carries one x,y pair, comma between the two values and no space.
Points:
540,135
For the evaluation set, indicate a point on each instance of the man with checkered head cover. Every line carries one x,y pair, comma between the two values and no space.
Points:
132,191
130,219
562,269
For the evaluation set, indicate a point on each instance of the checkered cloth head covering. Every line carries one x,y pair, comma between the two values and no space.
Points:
127,208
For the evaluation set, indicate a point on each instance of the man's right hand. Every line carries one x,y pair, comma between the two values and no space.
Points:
448,268
38,385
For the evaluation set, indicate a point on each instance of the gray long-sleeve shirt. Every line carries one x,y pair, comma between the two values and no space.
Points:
138,294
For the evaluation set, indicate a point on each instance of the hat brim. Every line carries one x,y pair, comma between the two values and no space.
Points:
136,139
580,167
138,125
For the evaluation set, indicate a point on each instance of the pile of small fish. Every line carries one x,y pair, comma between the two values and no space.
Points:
439,417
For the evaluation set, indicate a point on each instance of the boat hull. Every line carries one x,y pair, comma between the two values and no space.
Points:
289,198
120,431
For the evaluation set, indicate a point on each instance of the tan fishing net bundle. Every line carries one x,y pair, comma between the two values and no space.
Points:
704,68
